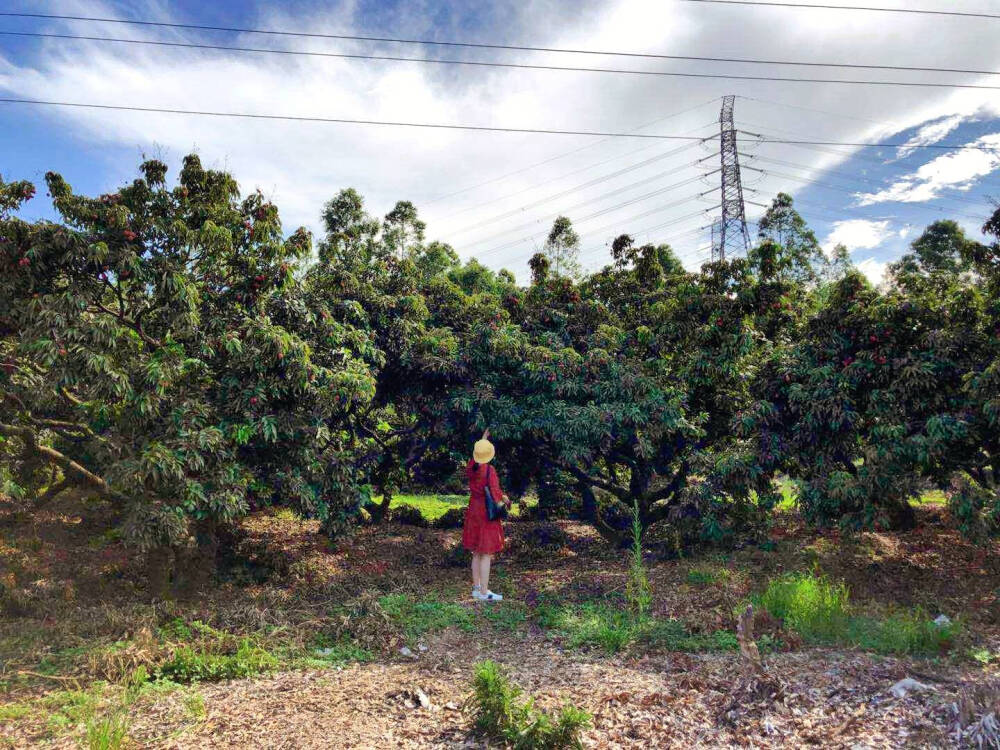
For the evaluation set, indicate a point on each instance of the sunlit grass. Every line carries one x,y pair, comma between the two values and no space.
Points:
790,494
432,507
819,610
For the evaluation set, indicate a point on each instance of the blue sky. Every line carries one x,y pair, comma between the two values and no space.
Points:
492,195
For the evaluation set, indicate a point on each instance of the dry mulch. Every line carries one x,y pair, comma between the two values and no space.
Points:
831,700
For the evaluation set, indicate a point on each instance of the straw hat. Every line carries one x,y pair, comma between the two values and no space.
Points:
483,451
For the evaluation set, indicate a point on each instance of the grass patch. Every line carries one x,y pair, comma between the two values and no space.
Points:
327,651
286,514
194,704
414,617
819,610
431,507
108,733
600,625
931,497
67,708
500,713
704,577
508,616
789,491
15,711
189,664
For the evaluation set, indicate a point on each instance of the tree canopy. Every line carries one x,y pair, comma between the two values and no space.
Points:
174,350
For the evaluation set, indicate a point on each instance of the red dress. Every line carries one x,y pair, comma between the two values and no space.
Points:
479,534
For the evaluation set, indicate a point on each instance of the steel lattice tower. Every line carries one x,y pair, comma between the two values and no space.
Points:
730,233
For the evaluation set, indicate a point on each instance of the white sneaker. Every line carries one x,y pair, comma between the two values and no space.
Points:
489,596
477,594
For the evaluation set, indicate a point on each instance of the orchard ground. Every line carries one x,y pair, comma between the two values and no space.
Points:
371,641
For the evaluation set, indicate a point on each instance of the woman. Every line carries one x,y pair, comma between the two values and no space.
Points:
481,536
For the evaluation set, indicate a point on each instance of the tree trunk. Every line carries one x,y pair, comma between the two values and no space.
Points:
196,565
902,517
381,511
159,571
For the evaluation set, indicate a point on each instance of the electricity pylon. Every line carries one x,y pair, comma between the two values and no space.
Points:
730,234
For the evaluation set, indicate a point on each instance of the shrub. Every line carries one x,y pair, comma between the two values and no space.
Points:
453,518
499,713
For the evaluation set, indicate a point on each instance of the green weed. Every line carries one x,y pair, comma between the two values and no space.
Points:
612,629
416,617
197,665
671,635
328,651
637,591
819,610
984,656
69,707
509,617
194,704
811,605
287,514
908,632
499,713
15,711
108,733
702,577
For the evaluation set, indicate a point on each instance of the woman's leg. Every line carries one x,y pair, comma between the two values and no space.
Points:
484,572
475,571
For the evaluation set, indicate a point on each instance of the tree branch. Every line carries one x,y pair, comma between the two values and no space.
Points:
133,324
619,492
68,465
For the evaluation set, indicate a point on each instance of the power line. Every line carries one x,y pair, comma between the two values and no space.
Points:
985,179
485,128
528,238
875,183
570,153
593,215
863,144
817,111
855,193
590,183
343,120
818,6
527,66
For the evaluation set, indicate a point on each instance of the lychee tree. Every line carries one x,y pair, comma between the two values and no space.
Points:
869,406
405,301
158,351
627,383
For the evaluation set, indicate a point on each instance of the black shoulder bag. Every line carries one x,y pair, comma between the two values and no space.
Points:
494,511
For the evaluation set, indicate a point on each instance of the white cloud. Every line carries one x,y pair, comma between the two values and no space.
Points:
857,234
873,269
959,170
930,133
